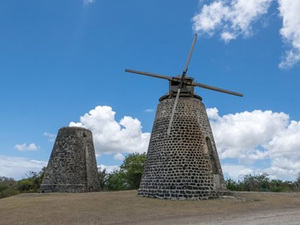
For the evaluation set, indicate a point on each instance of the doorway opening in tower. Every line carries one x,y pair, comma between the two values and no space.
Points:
213,161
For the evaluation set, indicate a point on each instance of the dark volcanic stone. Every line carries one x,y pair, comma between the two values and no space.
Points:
72,165
184,164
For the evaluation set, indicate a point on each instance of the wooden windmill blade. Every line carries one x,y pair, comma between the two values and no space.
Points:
189,57
181,83
149,74
217,89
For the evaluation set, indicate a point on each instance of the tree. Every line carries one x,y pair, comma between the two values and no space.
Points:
127,177
233,185
132,168
7,187
281,186
256,182
116,181
262,182
33,181
102,175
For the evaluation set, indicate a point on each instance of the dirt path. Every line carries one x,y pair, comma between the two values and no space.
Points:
127,208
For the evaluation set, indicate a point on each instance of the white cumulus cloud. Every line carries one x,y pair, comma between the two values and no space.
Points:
236,172
231,18
109,169
234,18
149,110
238,135
88,2
287,141
119,157
111,136
17,167
24,147
51,137
290,31
256,136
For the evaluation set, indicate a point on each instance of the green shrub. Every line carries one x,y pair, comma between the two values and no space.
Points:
8,187
262,182
128,177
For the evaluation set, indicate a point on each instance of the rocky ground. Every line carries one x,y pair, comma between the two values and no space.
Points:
127,208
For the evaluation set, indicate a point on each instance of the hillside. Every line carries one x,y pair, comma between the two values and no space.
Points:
127,208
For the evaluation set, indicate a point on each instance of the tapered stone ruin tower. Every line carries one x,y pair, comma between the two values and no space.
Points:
182,160
72,165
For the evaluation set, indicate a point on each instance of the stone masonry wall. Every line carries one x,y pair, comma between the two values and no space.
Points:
185,164
72,165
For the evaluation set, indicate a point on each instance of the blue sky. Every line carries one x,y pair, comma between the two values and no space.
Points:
64,61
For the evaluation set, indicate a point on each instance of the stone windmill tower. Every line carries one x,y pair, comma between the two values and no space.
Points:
182,160
72,165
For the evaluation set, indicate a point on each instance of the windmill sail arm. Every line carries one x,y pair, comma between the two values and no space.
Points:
149,74
217,89
189,57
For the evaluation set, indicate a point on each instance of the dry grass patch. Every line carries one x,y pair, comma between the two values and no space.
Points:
126,207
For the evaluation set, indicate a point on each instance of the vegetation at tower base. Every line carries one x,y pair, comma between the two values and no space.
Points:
30,184
116,181
128,177
72,165
33,181
262,182
132,168
8,187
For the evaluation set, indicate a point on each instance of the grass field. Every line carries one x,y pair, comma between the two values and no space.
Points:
126,208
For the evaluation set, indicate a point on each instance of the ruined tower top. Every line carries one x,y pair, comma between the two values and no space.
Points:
72,165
